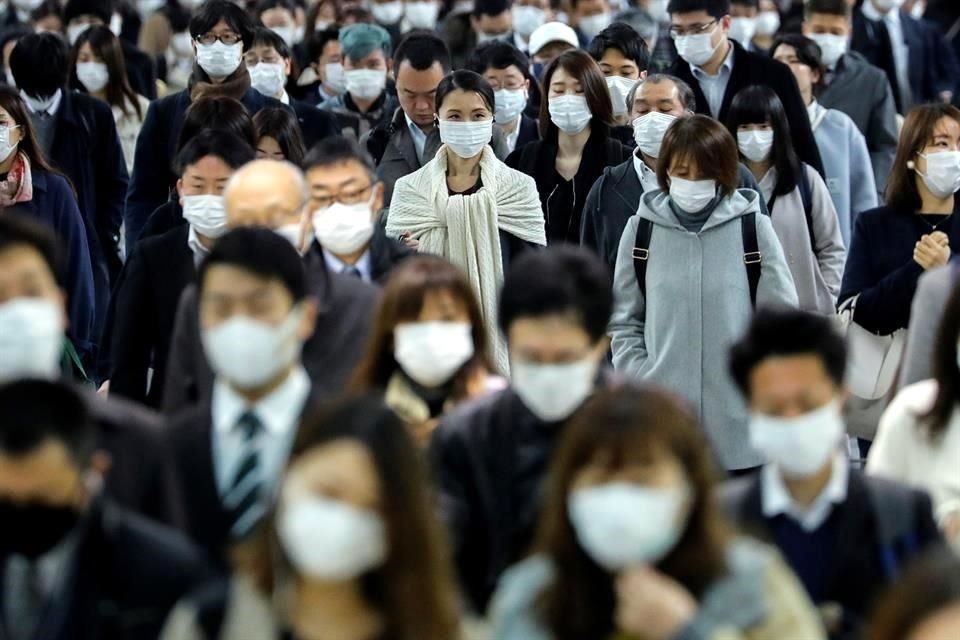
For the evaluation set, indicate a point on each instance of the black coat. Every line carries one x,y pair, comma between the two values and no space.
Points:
750,69
141,72
529,132
142,314
385,254
167,217
127,574
315,125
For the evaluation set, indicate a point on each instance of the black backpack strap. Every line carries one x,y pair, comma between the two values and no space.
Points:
641,254
752,258
806,196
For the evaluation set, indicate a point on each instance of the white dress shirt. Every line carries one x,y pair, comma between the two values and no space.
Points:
514,135
777,499
196,247
901,53
647,176
715,86
364,264
419,137
54,104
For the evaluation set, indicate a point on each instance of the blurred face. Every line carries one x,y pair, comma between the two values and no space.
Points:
375,60
332,53
586,8
229,291
86,19
941,625
86,54
509,78
791,386
50,23
347,183
661,96
553,339
464,106
207,177
6,120
768,5
686,168
46,476
743,11
806,77
614,63
278,17
268,148
442,306
265,54
417,91
539,4
661,471
562,83
25,275
500,24
550,51
826,23
946,137
340,470
697,22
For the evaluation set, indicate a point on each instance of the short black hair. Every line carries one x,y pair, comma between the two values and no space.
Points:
715,8
40,64
233,150
466,81
318,41
102,9
623,38
788,332
217,112
490,7
213,11
422,49
334,150
281,124
498,54
829,7
564,280
20,229
808,51
262,252
270,38
46,9
35,411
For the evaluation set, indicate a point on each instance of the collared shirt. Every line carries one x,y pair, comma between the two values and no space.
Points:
647,176
285,98
50,578
777,499
54,104
364,265
714,87
279,413
418,136
514,135
901,53
196,247
520,43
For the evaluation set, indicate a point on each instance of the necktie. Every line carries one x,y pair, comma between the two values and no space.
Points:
24,599
352,271
242,500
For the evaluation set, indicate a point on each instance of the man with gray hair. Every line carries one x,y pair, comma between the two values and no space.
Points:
654,104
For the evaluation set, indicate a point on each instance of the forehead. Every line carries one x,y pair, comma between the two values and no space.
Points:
227,280
262,49
463,100
209,166
21,259
221,27
46,471
5,115
511,70
555,329
344,464
788,373
655,92
946,127
335,174
614,56
276,13
562,75
785,51
691,17
375,55
416,79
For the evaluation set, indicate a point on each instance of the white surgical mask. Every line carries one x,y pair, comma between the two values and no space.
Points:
343,229
31,339
692,196
552,392
268,78
483,36
206,215
571,114
387,13
331,540
335,78
93,75
422,15
619,88
658,9
292,233
768,23
623,525
510,103
287,34
366,84
742,30
696,49
755,145
248,353
466,139
432,352
6,147
649,129
832,47
800,446
943,173
27,5
527,19
219,60
74,31
887,5
38,104
592,25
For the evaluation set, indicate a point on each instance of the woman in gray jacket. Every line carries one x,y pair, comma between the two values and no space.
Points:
692,265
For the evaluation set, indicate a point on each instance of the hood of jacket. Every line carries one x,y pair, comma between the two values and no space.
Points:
655,207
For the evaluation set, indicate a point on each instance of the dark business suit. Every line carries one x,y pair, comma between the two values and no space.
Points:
315,125
385,254
141,72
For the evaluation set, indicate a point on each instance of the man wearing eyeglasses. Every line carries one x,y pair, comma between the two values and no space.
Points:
718,68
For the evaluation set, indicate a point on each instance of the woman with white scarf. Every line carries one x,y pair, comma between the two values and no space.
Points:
465,204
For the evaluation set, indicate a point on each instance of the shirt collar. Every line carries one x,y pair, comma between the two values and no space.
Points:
54,104
872,13
725,68
279,412
646,175
363,265
415,131
776,499
285,98
196,247
514,135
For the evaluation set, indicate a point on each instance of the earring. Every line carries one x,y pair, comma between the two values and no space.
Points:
911,164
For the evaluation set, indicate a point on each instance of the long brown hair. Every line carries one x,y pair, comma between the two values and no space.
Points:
902,193
401,301
414,590
625,425
13,104
106,46
945,369
581,66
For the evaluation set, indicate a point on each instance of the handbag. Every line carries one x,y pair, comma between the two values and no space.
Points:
873,363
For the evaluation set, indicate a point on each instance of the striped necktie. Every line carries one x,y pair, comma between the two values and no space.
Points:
242,500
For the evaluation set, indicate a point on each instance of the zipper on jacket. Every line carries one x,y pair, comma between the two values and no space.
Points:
555,187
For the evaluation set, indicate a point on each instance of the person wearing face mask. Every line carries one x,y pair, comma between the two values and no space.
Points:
353,509
428,351
506,69
589,18
698,235
278,136
615,196
221,33
97,69
845,534
284,18
156,274
270,63
527,16
73,560
852,85
490,456
419,14
31,187
624,59
465,204
768,25
745,24
575,121
272,194
490,20
366,104
79,15
631,542
325,56
801,210
718,68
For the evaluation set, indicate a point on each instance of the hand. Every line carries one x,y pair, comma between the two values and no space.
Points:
410,241
929,253
104,389
652,605
940,238
951,527
946,96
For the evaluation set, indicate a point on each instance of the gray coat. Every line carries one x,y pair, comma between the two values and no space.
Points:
699,305
929,304
863,92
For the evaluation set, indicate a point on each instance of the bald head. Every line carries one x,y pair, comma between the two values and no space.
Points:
265,193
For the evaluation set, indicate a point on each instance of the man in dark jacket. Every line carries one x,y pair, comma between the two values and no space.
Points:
491,455
722,68
846,535
76,566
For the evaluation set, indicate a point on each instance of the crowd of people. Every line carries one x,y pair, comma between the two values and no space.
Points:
479,319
